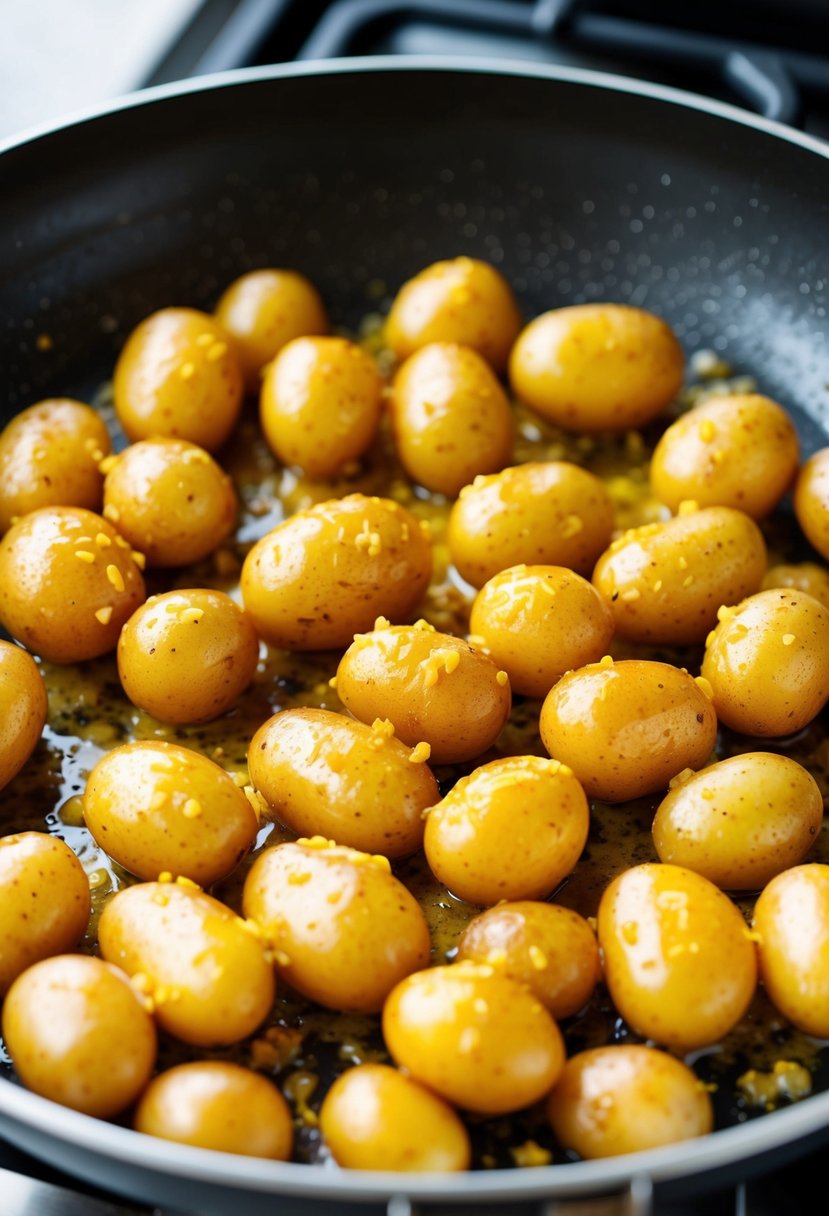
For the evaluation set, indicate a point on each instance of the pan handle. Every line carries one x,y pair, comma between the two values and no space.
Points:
635,1200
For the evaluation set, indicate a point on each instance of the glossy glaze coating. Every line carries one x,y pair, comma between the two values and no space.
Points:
811,500
791,918
23,709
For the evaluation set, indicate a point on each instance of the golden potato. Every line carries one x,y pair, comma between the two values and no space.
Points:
23,708
800,576
791,918
811,501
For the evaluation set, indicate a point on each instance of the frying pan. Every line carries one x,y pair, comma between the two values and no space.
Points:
579,186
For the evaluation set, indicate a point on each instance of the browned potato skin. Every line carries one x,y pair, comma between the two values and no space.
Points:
549,948
206,972
264,310
170,500
49,457
627,728
597,367
461,300
49,596
400,673
626,1099
450,417
44,902
183,667
178,375
801,576
23,709
542,513
317,579
665,582
791,918
217,1105
344,930
767,662
737,451
323,774
811,501
105,1051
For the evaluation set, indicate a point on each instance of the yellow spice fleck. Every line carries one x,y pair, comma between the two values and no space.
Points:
165,876
189,616
216,352
187,371
192,808
632,593
115,577
112,513
420,753
501,678
707,430
139,559
530,1154
688,506
83,555
788,639
104,615
538,958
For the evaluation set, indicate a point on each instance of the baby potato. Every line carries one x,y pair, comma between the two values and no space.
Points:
156,806
791,918
217,1105
811,501
740,822
79,1034
800,576
178,375
473,1036
459,300
23,709
546,947
324,774
625,1099
44,902
450,417
679,961
551,513
187,655
627,728
170,500
664,582
538,622
597,367
739,450
512,829
767,663
49,457
433,688
376,1118
263,311
343,928
204,969
320,404
328,572
68,582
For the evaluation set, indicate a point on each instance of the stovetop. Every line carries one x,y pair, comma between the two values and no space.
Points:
771,56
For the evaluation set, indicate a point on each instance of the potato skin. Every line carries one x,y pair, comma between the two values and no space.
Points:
49,457
665,582
625,1099
264,310
65,607
320,404
23,709
411,676
597,367
767,662
679,962
156,806
542,513
741,821
217,1105
187,655
537,622
811,501
170,500
800,576
546,947
324,774
473,1036
450,417
207,975
178,375
376,1118
329,572
459,300
44,902
736,451
105,1051
627,728
791,918
344,929
512,829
